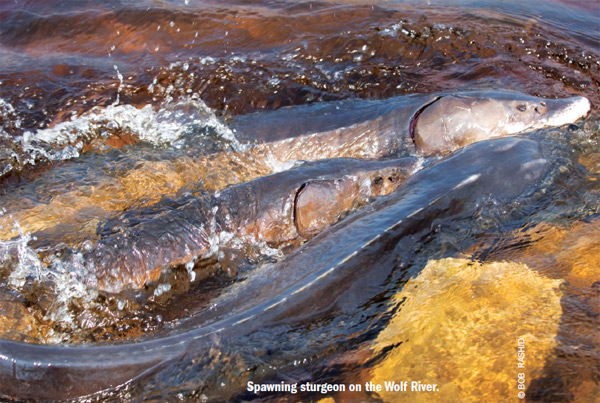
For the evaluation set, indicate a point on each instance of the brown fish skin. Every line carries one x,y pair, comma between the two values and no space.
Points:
372,129
437,123
321,276
353,128
344,129
454,121
278,209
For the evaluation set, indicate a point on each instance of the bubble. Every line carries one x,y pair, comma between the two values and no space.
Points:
161,289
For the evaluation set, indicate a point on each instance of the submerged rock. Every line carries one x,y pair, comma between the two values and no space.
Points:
17,323
459,327
573,254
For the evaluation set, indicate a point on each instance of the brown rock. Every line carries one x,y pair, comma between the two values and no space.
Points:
459,327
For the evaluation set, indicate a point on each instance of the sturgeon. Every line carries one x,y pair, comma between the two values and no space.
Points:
286,207
319,277
435,123
399,126
423,123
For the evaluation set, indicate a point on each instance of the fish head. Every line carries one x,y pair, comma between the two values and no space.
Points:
320,203
454,121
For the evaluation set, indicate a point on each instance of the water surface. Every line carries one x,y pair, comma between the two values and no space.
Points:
113,110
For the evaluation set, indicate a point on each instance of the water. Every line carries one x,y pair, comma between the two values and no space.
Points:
116,111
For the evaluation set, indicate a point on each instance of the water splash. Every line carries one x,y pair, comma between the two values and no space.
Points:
64,281
28,266
162,127
166,126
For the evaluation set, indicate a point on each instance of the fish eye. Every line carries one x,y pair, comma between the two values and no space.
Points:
522,107
378,180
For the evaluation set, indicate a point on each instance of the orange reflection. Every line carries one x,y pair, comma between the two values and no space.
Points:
152,180
571,253
81,209
459,326
17,323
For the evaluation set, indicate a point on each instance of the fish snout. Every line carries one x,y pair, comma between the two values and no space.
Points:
558,112
455,121
384,182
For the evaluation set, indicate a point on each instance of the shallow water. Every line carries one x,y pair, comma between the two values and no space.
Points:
119,111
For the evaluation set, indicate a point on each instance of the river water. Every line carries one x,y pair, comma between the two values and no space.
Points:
115,112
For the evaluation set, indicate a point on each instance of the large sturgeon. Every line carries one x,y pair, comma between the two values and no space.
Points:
423,123
278,209
433,123
274,209
338,269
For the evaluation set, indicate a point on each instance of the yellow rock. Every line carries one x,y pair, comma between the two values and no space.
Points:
571,253
16,323
591,162
459,326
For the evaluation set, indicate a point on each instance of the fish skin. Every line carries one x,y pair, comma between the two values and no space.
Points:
455,120
439,123
264,210
318,277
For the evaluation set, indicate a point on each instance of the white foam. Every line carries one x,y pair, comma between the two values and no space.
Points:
365,187
70,280
392,30
162,127
161,289
28,264
6,108
9,114
189,266
278,166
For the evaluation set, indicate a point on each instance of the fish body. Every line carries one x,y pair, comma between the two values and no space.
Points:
455,120
273,209
319,277
423,124
278,209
